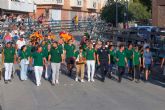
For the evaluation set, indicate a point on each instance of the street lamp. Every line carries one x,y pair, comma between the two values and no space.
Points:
126,11
116,13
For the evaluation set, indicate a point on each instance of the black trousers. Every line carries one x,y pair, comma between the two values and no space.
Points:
121,71
104,68
137,71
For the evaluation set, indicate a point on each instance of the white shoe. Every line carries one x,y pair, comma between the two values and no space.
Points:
76,79
82,81
89,80
92,80
38,85
57,82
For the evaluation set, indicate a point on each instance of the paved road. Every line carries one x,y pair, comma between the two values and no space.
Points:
69,95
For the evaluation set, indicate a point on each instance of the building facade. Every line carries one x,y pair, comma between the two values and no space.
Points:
67,9
158,13
17,6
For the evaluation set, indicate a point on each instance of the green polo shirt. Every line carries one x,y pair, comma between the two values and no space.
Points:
77,53
112,56
136,57
61,47
38,58
84,46
29,50
121,56
24,55
129,54
55,55
45,50
90,54
9,55
69,50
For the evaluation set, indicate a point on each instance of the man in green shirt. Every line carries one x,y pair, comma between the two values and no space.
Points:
90,56
39,61
55,57
9,54
121,62
24,61
69,51
80,63
129,56
112,59
137,63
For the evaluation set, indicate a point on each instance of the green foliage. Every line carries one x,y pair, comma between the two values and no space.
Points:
147,3
136,11
109,12
139,11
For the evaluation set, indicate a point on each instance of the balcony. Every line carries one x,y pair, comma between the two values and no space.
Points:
49,2
92,4
15,5
76,3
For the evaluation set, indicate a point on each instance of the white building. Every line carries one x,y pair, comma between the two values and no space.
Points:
25,6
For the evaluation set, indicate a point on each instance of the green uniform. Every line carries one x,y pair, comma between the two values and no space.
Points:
129,54
38,58
90,54
69,50
77,53
121,56
55,55
61,47
112,56
136,57
29,49
24,55
84,46
45,50
9,55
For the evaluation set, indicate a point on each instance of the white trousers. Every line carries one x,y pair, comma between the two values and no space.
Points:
90,69
55,71
8,70
38,74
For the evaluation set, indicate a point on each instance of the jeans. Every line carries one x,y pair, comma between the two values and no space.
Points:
164,70
8,70
121,71
38,74
90,69
104,68
48,71
55,71
24,67
137,71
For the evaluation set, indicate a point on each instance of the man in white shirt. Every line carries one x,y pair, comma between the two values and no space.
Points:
21,42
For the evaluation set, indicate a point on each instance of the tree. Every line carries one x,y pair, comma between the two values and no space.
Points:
147,3
109,12
139,11
136,11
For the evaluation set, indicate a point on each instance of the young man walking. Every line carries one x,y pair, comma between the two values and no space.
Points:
9,57
90,56
121,62
55,57
137,64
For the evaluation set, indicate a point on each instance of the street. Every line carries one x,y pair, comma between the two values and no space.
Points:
71,95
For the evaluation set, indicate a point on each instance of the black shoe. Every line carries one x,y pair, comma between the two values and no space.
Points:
137,81
9,80
53,84
6,82
119,80
103,80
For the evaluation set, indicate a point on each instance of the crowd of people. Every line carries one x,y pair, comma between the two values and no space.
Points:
44,58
